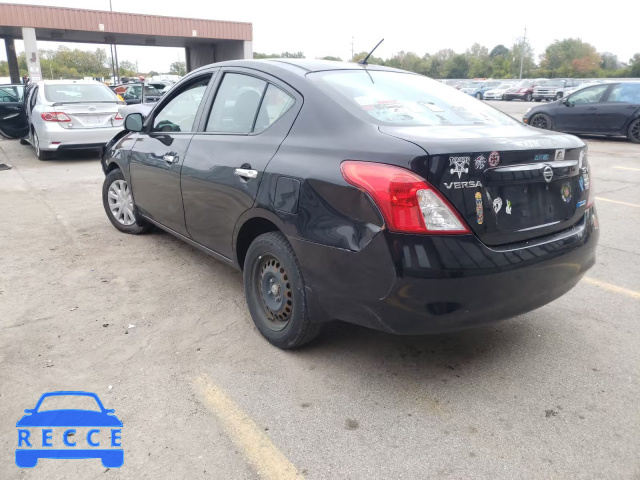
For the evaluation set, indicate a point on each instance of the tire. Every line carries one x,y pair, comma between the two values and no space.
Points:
275,291
24,141
479,96
528,97
633,133
41,154
508,99
558,96
541,120
131,221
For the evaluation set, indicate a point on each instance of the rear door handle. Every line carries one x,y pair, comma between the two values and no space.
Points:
245,173
170,158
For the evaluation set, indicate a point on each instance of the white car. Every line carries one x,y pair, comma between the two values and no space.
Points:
498,92
71,115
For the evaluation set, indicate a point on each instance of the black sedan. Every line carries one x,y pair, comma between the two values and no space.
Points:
134,94
611,109
358,193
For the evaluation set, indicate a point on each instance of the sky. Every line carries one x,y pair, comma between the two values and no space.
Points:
422,26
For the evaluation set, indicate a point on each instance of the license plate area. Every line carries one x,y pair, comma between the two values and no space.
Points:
529,206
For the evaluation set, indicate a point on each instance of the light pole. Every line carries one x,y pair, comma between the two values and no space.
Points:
522,45
115,53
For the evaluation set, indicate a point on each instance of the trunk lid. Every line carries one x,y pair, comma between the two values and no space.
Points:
89,115
510,183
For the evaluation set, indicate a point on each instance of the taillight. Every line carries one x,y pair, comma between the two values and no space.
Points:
55,117
118,117
407,202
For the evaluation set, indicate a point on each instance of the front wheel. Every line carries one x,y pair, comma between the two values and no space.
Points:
528,97
558,96
541,120
634,131
479,96
118,204
275,292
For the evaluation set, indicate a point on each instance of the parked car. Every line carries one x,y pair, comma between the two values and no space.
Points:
133,94
554,89
161,87
13,123
584,85
357,193
611,109
70,115
523,90
477,89
498,92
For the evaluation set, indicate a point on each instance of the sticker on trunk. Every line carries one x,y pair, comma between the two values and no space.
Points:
565,191
480,162
494,159
581,203
508,207
581,183
479,209
497,204
460,165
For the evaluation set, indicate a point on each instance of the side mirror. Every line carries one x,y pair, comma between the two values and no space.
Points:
134,122
565,101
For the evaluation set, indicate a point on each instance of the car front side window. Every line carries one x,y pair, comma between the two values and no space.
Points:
588,95
180,113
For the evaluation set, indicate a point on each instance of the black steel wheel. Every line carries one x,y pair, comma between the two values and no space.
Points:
528,97
275,293
634,131
541,120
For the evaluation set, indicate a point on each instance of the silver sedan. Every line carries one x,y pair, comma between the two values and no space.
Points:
71,115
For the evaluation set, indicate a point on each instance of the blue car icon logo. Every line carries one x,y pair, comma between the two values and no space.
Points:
69,433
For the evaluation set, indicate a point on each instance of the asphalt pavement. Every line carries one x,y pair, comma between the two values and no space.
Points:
161,333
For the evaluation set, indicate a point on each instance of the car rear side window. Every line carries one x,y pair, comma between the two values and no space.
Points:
625,93
395,98
236,105
180,113
79,92
276,102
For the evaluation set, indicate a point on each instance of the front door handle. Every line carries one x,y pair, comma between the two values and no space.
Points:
245,173
592,108
169,158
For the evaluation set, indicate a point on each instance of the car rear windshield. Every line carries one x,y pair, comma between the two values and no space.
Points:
395,98
79,92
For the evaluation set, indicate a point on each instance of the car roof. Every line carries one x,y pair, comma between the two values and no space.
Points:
67,82
301,66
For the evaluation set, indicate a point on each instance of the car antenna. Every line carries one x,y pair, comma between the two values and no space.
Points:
364,61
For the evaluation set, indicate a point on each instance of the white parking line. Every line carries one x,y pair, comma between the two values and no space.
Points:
257,447
602,199
627,168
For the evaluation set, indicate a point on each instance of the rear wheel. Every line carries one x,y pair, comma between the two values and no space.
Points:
634,131
41,154
541,120
528,97
117,199
275,292
558,96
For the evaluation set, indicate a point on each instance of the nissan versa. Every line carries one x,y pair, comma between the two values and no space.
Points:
357,193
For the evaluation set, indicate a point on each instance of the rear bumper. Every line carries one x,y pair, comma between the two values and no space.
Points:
414,284
55,138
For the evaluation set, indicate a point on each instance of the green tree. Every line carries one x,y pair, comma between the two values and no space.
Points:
479,61
333,59
372,60
456,67
528,62
499,50
570,57
609,61
634,66
178,68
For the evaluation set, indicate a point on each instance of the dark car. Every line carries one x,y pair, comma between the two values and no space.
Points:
134,94
611,109
523,90
357,193
13,116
